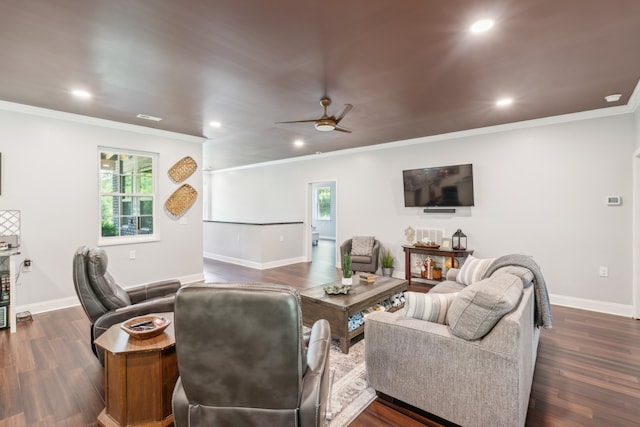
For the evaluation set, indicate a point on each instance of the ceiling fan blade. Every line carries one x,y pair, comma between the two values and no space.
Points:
345,110
341,129
300,121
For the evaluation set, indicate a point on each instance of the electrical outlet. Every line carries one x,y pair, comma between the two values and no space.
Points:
132,254
27,265
604,271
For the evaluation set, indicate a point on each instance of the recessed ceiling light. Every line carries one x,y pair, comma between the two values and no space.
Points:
298,143
481,26
503,102
613,98
215,124
147,117
81,93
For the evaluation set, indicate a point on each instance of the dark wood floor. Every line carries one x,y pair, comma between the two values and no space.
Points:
587,374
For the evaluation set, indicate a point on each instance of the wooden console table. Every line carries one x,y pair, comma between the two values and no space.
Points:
446,253
139,377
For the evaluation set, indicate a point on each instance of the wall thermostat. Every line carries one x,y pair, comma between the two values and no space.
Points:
614,200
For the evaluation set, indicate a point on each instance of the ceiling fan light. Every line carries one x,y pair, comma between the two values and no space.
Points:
481,26
325,126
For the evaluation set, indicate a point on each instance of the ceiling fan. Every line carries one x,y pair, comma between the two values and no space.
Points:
327,123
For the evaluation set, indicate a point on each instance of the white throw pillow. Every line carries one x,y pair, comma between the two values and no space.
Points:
428,306
362,245
473,270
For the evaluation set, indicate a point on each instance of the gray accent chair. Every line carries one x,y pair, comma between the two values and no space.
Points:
242,358
106,303
361,263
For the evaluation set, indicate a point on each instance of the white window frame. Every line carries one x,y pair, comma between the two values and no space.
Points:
140,238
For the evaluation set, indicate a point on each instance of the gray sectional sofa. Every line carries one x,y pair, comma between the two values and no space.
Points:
470,382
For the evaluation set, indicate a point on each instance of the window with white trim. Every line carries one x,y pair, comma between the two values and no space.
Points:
127,196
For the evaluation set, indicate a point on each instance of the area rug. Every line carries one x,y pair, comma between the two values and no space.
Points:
350,393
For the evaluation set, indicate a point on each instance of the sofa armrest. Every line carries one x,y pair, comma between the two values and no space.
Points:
153,290
452,273
315,382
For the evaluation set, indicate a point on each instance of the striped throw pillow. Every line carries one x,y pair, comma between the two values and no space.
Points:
428,306
473,270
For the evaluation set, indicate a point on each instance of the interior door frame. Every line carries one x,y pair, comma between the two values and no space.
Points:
309,217
635,226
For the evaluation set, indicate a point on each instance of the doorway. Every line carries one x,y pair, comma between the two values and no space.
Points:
322,222
636,235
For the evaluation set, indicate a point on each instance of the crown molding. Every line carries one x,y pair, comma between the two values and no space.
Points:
78,118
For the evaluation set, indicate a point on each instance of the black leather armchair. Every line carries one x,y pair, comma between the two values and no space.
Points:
106,303
242,358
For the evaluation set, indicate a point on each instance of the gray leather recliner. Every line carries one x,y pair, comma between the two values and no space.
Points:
106,303
242,358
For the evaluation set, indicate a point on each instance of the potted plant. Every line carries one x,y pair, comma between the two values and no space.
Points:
387,263
346,269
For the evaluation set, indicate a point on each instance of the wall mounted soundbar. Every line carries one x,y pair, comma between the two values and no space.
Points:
439,210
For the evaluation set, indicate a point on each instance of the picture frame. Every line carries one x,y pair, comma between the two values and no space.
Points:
445,243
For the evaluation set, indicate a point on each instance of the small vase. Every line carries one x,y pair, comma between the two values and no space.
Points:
387,271
347,281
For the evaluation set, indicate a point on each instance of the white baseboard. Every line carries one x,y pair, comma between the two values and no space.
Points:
42,307
592,305
57,304
253,264
193,278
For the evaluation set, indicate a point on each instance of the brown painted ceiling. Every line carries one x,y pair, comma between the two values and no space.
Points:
409,67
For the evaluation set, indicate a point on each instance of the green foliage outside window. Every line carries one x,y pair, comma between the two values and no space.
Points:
324,203
126,194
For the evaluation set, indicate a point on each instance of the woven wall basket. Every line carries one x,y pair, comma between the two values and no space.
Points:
180,201
183,169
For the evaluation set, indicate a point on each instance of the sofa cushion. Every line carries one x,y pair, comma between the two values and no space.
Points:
446,287
477,308
362,245
473,270
428,306
361,259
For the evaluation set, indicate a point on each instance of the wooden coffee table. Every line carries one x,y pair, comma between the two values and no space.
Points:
316,304
139,376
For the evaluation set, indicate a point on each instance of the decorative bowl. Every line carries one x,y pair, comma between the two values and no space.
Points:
336,290
427,245
143,327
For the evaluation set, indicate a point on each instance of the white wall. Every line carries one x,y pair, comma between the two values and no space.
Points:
539,191
50,174
258,246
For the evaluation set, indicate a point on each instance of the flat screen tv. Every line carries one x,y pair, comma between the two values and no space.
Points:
438,186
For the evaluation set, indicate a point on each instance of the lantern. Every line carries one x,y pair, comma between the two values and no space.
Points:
459,241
